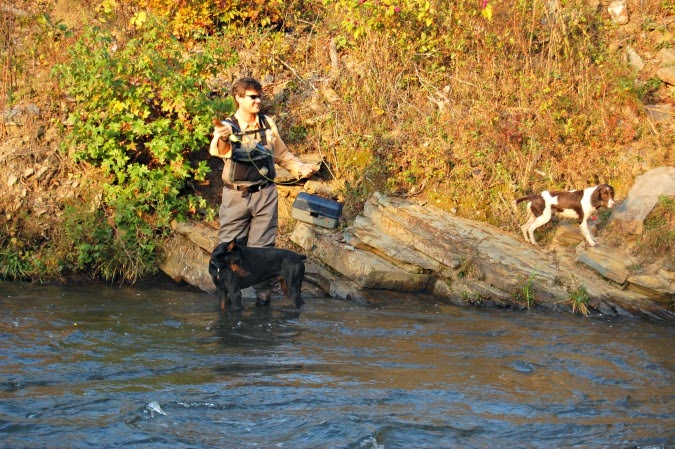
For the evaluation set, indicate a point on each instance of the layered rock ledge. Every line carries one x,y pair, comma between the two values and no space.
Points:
399,245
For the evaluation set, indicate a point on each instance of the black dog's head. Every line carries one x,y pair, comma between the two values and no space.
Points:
228,256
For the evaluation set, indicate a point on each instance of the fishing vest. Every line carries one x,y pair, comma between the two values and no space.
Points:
252,159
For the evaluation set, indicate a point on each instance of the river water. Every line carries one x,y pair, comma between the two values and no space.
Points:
105,367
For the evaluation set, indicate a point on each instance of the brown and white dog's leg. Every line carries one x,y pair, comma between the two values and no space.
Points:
526,225
583,227
538,222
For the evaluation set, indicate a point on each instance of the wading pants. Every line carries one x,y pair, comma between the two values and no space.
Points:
251,216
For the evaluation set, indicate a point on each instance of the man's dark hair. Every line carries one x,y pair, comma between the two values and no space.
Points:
240,87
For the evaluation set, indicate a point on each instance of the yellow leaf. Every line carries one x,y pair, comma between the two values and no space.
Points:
117,106
487,12
139,19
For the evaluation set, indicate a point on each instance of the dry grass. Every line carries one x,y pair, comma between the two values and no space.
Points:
510,116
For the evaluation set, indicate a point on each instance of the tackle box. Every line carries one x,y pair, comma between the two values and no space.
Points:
316,210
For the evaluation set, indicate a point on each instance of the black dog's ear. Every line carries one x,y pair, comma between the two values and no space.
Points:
218,251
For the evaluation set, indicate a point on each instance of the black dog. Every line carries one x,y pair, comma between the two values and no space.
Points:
234,266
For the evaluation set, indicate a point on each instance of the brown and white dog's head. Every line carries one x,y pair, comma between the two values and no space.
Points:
603,196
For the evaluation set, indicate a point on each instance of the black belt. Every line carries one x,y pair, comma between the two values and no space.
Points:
248,189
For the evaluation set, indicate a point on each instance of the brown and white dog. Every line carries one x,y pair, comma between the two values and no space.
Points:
576,204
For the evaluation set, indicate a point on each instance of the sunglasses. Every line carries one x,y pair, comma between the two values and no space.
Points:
254,97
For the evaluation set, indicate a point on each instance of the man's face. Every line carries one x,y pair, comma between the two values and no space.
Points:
250,102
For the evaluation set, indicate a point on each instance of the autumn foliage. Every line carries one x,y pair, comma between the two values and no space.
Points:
464,104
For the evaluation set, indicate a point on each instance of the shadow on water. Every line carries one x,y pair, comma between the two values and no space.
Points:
258,326
105,367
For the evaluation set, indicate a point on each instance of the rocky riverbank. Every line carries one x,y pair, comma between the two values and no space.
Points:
547,117
401,245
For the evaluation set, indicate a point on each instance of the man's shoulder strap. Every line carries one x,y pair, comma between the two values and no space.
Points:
262,119
233,119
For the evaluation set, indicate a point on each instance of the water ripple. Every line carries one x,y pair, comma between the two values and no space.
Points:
105,367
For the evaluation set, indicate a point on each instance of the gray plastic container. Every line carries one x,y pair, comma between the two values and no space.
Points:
316,210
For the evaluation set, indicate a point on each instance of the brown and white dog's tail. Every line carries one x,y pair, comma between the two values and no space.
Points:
527,198
514,203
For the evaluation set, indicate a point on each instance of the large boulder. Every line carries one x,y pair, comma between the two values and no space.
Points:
629,216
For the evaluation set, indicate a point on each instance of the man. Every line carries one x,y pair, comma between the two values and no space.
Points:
250,145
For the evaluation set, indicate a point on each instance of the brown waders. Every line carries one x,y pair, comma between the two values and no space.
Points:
250,214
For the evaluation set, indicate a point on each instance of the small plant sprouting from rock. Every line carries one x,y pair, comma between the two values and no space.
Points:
469,268
579,300
472,298
526,293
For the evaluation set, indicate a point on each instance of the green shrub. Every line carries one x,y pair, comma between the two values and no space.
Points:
14,265
89,243
141,107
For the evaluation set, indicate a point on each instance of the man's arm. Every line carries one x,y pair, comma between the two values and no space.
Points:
285,158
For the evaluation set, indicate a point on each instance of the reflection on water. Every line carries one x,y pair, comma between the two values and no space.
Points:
105,367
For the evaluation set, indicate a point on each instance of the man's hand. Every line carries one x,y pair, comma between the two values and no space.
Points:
223,130
306,170
220,146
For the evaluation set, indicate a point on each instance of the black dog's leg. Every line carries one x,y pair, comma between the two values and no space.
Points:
295,284
294,294
232,288
234,293
263,292
223,298
235,299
